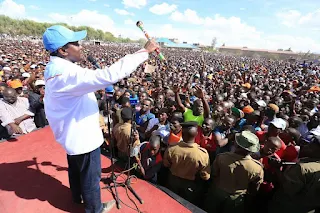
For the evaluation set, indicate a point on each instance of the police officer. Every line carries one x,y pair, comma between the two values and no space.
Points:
235,174
188,164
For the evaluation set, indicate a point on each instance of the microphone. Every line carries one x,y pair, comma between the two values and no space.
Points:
93,62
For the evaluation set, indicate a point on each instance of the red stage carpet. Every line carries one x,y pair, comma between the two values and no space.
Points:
34,179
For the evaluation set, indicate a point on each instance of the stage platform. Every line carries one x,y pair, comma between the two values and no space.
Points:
34,179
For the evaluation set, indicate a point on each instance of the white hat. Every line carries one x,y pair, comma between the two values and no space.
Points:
243,95
316,131
40,83
279,123
261,103
26,75
33,66
6,69
197,75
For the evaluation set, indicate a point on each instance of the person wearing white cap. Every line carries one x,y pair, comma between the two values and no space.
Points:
26,75
72,110
277,125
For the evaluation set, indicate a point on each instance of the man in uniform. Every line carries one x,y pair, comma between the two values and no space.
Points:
188,164
300,191
235,175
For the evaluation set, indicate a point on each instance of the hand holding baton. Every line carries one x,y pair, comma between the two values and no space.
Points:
140,26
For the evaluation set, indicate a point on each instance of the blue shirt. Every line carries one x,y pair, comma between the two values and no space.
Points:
141,119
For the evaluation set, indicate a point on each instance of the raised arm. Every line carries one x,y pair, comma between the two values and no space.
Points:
206,107
81,81
177,97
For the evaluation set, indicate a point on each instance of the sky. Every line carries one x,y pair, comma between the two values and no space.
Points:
263,24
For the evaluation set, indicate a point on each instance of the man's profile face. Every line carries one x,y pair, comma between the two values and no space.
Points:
154,150
73,51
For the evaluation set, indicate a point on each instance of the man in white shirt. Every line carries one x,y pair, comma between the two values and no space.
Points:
72,111
15,114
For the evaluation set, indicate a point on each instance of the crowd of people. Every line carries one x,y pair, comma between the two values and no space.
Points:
226,133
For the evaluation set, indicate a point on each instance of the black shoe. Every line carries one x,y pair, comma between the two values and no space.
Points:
108,206
78,200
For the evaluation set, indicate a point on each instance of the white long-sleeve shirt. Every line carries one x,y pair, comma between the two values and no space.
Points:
70,104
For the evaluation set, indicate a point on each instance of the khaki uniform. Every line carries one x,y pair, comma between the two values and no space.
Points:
187,162
300,190
122,134
233,176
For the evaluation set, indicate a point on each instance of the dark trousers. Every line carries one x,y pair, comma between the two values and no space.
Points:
84,178
187,189
219,201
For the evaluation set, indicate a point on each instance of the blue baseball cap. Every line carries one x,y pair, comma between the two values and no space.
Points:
57,36
109,89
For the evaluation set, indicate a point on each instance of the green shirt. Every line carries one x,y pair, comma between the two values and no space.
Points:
188,116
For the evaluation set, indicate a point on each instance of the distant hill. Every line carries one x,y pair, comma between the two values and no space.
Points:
25,27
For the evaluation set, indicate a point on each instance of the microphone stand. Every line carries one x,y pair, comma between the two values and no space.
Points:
133,129
113,176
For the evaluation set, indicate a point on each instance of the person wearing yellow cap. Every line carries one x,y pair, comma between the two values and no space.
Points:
247,85
248,109
17,85
270,113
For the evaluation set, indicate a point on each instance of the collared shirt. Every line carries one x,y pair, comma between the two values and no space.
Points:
301,182
187,161
207,142
70,103
142,119
9,112
122,135
233,173
174,138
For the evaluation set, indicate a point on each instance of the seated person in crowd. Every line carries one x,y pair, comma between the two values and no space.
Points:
150,159
188,164
37,105
15,113
122,133
17,85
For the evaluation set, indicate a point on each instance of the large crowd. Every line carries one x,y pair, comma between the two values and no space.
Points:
226,133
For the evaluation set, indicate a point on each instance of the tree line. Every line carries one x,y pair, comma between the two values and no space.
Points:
16,27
